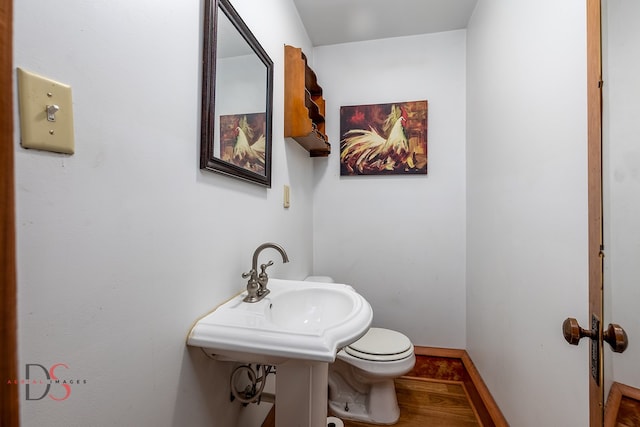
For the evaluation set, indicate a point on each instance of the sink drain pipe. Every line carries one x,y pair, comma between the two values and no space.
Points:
252,392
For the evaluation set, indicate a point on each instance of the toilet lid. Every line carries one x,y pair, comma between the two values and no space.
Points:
381,345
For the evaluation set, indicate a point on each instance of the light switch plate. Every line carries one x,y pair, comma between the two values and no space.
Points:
51,131
286,197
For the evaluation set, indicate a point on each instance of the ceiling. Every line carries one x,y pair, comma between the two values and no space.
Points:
343,21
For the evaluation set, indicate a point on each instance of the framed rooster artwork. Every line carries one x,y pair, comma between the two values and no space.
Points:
242,140
384,139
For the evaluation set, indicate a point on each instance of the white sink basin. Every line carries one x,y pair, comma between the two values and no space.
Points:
311,309
296,320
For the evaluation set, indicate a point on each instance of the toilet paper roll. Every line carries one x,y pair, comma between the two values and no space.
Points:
334,422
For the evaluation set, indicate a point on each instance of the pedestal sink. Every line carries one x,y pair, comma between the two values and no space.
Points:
299,327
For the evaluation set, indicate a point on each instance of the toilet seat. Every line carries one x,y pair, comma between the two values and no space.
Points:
381,345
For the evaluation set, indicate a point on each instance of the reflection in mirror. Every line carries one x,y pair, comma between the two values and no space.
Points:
236,98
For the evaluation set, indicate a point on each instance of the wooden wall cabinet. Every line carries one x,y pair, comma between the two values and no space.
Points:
304,106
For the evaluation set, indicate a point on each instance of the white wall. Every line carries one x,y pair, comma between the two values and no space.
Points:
123,245
621,166
527,207
400,240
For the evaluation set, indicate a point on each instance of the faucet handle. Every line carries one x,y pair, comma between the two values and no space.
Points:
248,274
263,267
263,278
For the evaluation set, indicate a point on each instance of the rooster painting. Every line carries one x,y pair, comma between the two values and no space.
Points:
242,141
384,139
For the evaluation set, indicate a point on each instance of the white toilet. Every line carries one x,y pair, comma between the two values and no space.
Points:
361,380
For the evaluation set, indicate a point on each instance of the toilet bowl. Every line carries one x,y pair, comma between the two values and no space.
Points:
361,380
361,386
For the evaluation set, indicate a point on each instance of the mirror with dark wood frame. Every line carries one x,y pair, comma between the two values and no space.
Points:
237,98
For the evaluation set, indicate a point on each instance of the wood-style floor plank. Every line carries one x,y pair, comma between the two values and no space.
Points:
430,403
435,394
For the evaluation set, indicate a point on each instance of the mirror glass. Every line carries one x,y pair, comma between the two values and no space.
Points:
236,99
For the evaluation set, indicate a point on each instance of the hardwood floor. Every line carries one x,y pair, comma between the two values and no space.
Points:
433,403
438,392
623,406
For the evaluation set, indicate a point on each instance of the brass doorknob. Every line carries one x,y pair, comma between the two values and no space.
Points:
614,334
573,332
616,337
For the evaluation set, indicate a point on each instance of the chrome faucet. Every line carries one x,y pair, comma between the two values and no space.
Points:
257,284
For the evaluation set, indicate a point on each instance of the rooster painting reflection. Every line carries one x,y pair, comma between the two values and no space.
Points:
384,139
242,141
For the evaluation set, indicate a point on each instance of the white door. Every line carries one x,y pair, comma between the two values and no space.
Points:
621,185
